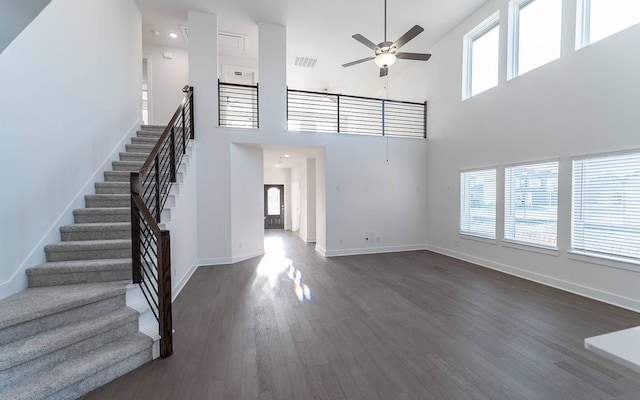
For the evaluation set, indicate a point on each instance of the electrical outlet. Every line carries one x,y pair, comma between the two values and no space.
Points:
378,240
457,243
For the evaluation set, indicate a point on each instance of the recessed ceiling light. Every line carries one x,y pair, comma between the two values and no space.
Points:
155,32
173,35
277,165
286,156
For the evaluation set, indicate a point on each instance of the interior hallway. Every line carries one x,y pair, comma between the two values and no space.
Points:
414,325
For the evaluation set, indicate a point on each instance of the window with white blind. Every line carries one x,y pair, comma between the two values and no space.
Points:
598,19
478,203
534,34
481,48
606,205
531,204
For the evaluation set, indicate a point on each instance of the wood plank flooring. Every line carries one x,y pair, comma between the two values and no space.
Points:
414,325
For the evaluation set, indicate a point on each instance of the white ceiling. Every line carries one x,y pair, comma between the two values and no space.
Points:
288,156
319,29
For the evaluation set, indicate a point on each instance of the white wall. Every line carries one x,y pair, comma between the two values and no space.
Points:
348,161
585,102
247,202
70,85
281,176
168,77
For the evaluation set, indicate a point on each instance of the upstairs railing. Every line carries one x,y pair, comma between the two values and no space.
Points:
151,247
238,105
338,113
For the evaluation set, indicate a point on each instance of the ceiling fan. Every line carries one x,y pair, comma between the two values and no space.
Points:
387,52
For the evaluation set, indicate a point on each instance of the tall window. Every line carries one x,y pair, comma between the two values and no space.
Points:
481,47
478,203
598,19
535,34
531,204
606,205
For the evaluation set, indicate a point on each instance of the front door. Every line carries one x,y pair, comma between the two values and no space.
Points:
273,206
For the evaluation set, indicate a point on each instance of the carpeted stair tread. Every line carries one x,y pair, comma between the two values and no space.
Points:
72,378
107,200
32,347
144,140
114,264
117,176
113,187
35,303
102,214
96,231
88,250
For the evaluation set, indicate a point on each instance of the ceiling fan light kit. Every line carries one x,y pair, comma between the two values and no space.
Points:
387,52
385,60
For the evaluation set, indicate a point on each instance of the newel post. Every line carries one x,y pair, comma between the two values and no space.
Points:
164,294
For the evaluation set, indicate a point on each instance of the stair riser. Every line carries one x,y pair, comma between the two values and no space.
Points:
105,234
35,366
103,377
138,148
35,326
111,176
149,134
145,140
127,167
54,279
107,203
140,157
88,218
113,189
57,255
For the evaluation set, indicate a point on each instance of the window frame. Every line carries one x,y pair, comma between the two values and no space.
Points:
583,25
600,258
513,41
474,235
521,243
476,33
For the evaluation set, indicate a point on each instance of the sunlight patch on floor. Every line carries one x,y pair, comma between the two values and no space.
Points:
275,262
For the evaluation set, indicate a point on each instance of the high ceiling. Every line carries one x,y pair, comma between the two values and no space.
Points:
319,29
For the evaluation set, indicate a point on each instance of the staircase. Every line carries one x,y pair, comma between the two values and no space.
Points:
71,331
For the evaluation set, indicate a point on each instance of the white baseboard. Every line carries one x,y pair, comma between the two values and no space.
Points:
18,281
183,281
229,260
595,294
321,251
308,239
373,250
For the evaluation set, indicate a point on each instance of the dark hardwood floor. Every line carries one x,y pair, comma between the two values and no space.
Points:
414,325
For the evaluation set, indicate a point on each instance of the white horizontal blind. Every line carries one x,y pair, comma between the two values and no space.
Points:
606,205
478,203
531,204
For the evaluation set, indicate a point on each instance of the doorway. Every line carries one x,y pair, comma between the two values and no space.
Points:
273,206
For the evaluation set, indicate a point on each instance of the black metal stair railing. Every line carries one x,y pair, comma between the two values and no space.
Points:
238,105
355,115
151,247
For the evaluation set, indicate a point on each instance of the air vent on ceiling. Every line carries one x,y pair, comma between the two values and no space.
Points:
305,62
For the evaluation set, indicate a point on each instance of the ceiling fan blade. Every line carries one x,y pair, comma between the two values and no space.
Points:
365,41
414,56
411,33
357,61
384,72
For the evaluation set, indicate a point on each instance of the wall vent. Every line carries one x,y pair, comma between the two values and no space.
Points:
305,62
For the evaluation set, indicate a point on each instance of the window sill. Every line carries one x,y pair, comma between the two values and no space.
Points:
514,244
628,264
481,239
